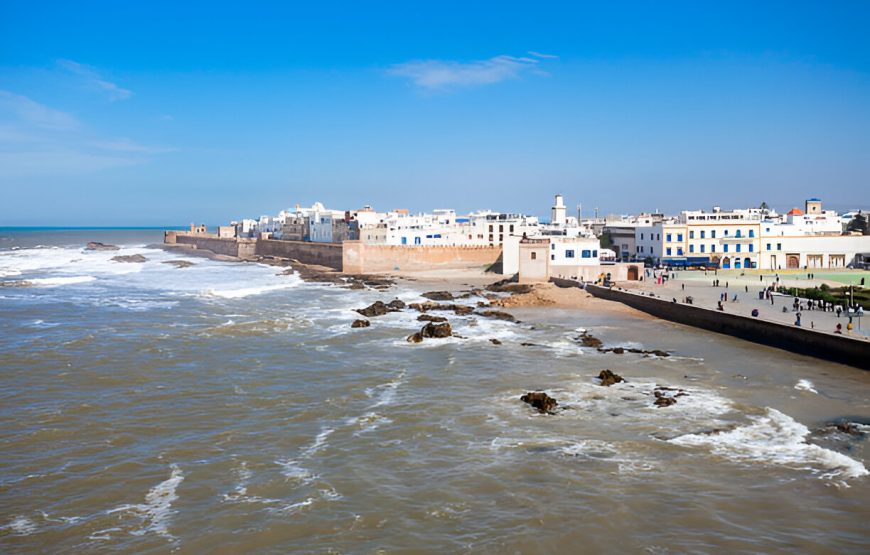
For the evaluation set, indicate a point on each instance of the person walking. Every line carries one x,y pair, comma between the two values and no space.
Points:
797,320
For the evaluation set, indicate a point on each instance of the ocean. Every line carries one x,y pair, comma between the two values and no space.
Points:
227,408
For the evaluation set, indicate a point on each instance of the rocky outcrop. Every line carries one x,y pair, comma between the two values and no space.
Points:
97,246
589,341
498,315
510,286
377,308
667,396
360,324
621,350
179,263
436,330
608,378
431,330
458,309
439,295
541,401
132,258
430,318
495,341
396,304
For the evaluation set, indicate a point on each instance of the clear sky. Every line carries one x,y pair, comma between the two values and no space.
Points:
153,113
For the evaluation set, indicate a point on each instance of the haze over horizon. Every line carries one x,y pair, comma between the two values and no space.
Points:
158,114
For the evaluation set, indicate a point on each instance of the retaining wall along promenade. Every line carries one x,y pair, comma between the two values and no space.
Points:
239,248
827,346
360,257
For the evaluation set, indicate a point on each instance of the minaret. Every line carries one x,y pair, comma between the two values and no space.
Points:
557,215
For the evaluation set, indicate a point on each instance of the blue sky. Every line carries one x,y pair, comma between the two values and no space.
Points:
149,113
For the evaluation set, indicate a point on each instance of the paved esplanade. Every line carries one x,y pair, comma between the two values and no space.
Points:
698,284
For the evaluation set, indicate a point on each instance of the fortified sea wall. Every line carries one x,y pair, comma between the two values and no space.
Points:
322,254
352,257
837,348
360,257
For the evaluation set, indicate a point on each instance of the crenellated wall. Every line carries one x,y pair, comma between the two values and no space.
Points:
322,254
360,257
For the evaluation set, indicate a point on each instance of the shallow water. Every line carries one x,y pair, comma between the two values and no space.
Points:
225,408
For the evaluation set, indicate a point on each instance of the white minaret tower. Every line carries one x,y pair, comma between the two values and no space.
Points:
557,215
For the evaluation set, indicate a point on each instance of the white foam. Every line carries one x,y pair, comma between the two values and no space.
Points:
103,535
295,507
385,393
157,511
249,291
292,470
58,281
319,442
21,526
806,385
776,439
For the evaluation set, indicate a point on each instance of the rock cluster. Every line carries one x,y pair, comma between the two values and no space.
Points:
589,341
379,308
439,295
621,350
179,263
360,324
430,318
458,309
541,401
97,246
667,396
431,331
498,315
609,378
133,258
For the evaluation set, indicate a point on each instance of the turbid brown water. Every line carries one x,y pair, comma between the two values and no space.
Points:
221,408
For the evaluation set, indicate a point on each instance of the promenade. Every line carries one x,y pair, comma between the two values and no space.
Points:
746,287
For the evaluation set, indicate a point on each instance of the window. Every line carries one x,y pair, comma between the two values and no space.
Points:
668,250
768,246
691,248
726,232
658,236
738,247
534,256
712,234
751,247
490,228
569,253
752,233
512,228
651,250
501,229
703,233
552,257
594,254
586,254
679,237
702,248
404,240
553,247
668,237
679,251
417,240
691,235
737,233
779,246
641,236
712,248
725,247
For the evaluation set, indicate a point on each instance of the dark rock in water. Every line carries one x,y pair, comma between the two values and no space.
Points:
609,378
430,318
657,353
437,331
498,315
360,324
458,309
540,400
133,258
179,263
396,304
844,426
526,344
97,246
663,400
590,341
377,308
356,285
439,295
495,341
415,338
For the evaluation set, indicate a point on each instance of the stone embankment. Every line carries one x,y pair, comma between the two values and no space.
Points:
827,346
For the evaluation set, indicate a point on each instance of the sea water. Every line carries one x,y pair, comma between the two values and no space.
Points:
227,407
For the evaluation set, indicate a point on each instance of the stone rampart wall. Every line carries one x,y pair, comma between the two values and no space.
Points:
360,257
838,348
323,254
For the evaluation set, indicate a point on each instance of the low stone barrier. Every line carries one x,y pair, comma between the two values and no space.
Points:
827,346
